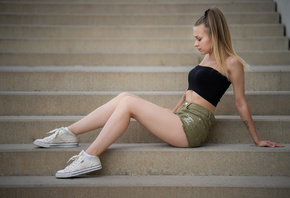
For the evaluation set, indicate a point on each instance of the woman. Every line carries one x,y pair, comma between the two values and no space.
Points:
188,124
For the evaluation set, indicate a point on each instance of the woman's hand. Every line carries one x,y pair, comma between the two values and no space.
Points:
268,144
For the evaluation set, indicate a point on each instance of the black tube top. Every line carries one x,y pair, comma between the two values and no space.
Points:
208,83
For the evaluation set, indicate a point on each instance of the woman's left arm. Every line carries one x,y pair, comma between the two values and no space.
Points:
236,75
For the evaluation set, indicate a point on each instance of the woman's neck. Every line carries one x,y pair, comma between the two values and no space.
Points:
209,60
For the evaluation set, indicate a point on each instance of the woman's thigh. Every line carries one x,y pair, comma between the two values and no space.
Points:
160,121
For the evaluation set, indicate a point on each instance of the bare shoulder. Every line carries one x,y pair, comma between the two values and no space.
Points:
234,65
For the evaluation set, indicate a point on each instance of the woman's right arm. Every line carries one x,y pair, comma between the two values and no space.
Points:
179,103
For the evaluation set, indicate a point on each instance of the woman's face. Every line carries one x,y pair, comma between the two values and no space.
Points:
202,39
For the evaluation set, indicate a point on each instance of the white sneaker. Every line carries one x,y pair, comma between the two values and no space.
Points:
59,138
79,166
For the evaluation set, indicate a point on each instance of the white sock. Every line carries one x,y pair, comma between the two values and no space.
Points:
68,131
88,155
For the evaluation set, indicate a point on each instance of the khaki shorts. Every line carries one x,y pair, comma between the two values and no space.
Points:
196,121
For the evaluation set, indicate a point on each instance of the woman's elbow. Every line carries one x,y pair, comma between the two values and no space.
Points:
240,104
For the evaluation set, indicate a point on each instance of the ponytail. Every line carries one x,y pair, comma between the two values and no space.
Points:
218,31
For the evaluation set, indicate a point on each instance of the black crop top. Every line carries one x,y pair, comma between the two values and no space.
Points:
208,83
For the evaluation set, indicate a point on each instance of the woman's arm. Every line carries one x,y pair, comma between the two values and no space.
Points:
236,75
179,103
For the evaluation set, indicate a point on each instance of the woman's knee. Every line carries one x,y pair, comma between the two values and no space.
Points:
124,95
128,99
128,102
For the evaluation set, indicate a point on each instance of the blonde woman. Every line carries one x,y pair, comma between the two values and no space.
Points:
188,124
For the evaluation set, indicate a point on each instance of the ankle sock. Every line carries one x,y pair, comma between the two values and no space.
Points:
88,155
68,131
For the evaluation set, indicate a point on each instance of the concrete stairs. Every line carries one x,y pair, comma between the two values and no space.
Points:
59,60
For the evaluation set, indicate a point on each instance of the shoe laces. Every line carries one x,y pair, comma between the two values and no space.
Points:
54,135
74,159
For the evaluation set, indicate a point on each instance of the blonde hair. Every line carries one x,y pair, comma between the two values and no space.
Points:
218,30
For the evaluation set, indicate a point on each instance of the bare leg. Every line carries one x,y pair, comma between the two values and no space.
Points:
161,122
98,117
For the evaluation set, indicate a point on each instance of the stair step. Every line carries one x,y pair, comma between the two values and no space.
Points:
146,186
134,58
153,159
133,8
130,19
123,45
161,31
78,78
59,103
227,130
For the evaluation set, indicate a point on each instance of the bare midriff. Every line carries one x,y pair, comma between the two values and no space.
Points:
193,97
